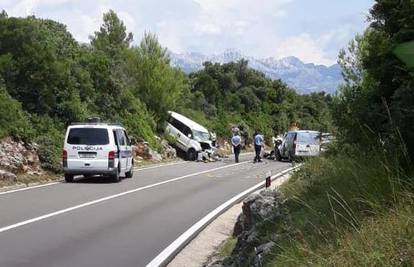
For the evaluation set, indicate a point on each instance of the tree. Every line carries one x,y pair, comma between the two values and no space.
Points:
37,64
378,98
112,37
3,14
235,90
155,82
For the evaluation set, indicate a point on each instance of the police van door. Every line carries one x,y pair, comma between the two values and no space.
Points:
128,153
123,149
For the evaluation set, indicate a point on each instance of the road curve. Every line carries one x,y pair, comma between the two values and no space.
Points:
98,223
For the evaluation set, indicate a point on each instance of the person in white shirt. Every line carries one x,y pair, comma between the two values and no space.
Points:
258,143
236,142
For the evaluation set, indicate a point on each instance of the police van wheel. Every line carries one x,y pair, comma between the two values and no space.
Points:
68,178
191,154
115,177
130,173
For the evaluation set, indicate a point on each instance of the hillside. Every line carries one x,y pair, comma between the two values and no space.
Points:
48,80
304,78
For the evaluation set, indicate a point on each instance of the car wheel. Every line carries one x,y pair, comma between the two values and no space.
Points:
278,157
290,158
130,173
116,178
69,178
191,154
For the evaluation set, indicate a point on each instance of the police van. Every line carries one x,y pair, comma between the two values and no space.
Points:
190,136
96,148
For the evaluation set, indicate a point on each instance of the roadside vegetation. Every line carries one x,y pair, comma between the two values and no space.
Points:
233,94
48,80
354,206
347,210
26,180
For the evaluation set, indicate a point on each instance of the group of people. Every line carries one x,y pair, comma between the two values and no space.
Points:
258,141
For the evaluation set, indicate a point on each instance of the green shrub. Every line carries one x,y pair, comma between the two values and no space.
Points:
50,135
334,197
13,120
170,139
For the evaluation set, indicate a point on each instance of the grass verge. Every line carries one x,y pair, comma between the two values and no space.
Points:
346,210
227,247
31,179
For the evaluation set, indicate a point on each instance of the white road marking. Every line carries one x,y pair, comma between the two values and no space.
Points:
168,253
59,182
28,188
160,165
86,204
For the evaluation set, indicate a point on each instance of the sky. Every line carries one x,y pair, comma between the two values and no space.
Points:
312,30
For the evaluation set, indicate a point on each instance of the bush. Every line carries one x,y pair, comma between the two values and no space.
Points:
50,135
13,120
334,200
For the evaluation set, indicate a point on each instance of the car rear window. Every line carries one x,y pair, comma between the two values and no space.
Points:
88,136
309,138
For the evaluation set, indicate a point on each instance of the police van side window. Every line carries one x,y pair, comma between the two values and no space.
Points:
127,140
121,137
178,125
187,131
174,122
115,137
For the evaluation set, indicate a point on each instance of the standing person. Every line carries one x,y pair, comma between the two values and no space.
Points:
236,142
258,143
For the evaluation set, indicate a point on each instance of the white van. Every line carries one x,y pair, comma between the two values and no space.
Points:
190,136
97,149
297,144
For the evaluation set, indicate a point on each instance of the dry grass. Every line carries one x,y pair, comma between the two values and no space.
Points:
348,211
31,179
227,247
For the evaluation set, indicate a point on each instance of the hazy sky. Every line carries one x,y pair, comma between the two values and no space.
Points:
313,30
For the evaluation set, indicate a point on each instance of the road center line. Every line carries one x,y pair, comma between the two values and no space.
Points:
160,165
59,182
90,203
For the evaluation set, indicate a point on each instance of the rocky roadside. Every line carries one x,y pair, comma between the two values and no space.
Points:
20,165
260,211
243,224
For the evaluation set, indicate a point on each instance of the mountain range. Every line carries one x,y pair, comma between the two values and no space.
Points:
303,77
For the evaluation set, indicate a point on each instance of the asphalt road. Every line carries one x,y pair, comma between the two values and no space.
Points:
99,223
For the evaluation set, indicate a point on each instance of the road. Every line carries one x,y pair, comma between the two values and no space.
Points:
98,223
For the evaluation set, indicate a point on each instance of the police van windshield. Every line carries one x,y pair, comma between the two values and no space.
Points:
88,136
201,136
309,138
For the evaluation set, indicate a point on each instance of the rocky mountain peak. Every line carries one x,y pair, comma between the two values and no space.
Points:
304,78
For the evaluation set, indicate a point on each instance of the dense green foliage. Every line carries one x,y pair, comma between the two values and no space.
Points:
49,80
11,111
378,100
156,83
346,210
234,95
354,205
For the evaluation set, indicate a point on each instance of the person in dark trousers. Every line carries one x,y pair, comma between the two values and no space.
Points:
236,142
258,143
